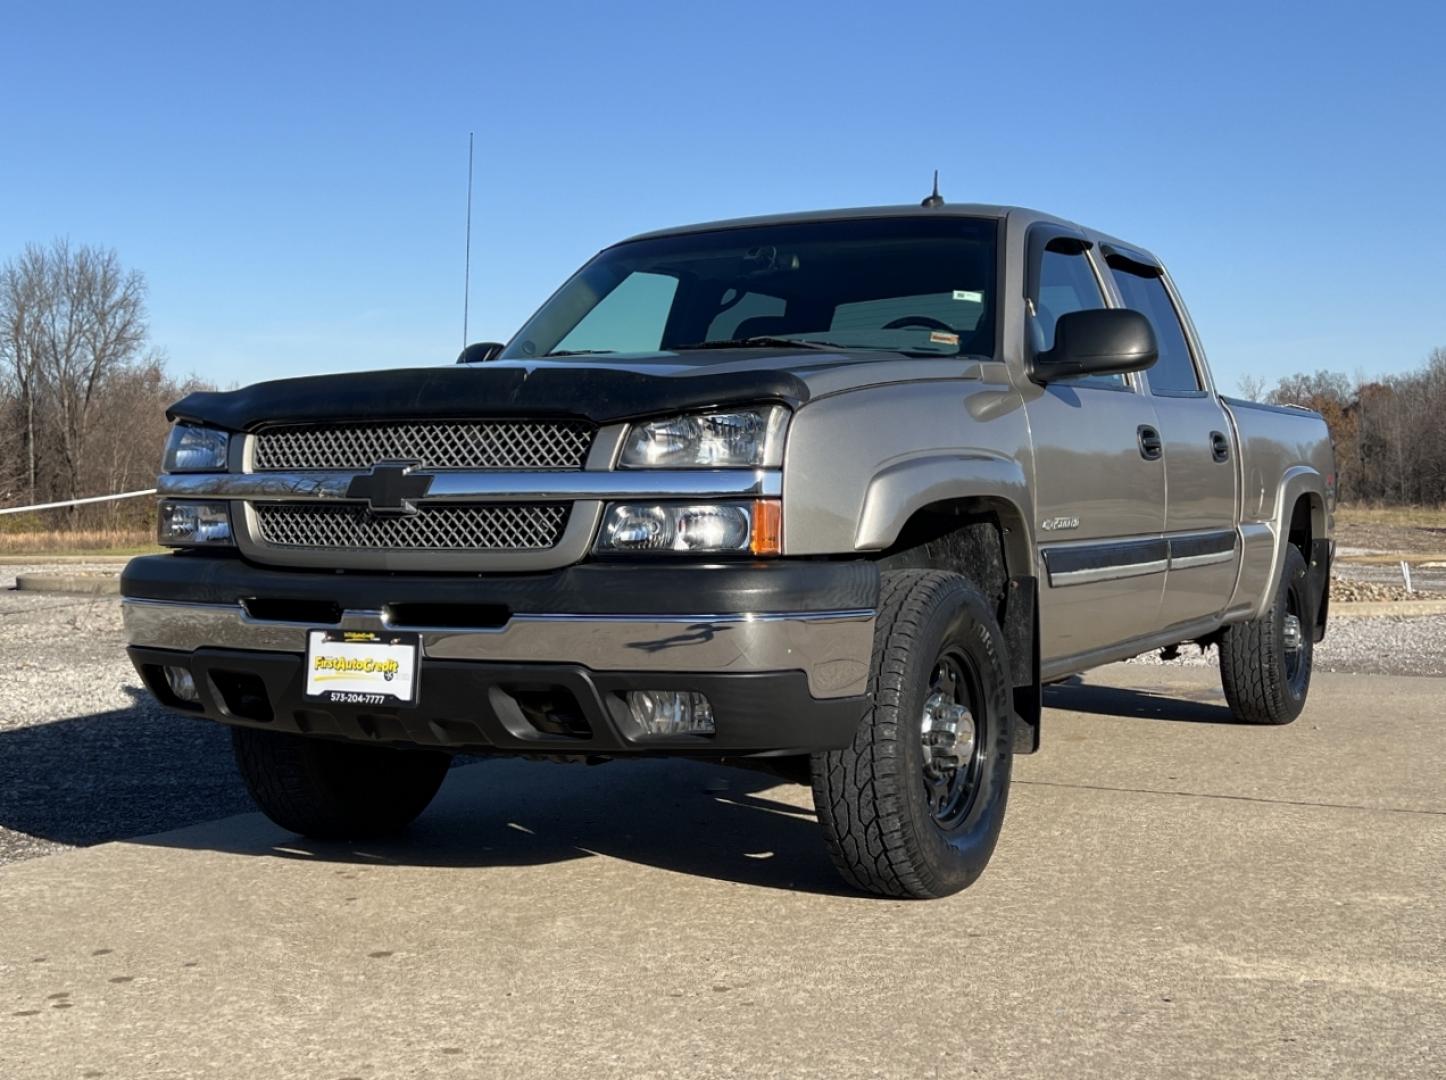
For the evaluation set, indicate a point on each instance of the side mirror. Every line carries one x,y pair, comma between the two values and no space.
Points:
480,352
1100,341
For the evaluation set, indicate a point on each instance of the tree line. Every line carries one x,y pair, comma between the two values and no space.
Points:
83,395
83,392
1389,433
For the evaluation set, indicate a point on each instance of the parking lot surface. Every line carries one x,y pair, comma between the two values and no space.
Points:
1173,896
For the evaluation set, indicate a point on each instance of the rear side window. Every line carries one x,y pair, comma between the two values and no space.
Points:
1144,291
1066,283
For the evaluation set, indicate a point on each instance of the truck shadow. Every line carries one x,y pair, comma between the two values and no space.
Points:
699,819
1176,704
111,775
150,776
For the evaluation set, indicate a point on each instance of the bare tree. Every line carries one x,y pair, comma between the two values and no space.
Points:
1252,387
20,286
71,318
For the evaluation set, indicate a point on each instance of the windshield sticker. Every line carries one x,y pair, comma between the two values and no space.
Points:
971,297
938,337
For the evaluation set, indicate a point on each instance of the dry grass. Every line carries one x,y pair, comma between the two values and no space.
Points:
1426,517
79,542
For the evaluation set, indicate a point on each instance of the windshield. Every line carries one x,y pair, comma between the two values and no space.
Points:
923,286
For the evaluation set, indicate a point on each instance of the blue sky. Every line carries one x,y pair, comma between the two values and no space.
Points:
291,177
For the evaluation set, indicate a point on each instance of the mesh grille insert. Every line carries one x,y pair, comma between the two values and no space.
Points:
481,444
470,527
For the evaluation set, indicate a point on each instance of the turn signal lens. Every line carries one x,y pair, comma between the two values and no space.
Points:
767,527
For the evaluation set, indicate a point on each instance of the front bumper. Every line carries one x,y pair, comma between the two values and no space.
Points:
785,668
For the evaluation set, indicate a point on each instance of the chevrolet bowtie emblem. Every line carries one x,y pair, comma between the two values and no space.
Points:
390,487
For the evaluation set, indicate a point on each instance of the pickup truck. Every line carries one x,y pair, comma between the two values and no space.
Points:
831,494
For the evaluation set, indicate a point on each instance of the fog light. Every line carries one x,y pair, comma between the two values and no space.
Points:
671,712
182,685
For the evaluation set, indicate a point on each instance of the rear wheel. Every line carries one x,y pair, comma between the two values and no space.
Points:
336,790
914,806
1265,664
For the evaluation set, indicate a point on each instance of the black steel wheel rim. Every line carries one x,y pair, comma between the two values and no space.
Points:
1293,642
951,772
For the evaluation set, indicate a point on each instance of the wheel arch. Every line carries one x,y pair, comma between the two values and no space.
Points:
933,521
1302,521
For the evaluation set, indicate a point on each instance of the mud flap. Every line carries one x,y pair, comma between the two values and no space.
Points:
1319,574
1021,635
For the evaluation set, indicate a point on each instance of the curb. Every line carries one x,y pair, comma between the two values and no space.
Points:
41,558
1376,608
74,584
1395,558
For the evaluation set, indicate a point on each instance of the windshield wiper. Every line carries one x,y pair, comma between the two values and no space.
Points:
578,352
759,343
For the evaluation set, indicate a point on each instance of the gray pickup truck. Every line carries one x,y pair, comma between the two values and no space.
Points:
832,494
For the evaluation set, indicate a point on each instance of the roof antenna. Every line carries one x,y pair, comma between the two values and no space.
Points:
934,199
467,266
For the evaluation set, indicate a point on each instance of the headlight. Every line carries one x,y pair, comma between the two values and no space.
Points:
190,448
709,440
693,528
193,523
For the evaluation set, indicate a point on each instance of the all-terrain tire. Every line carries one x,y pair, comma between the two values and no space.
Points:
336,790
871,796
1263,683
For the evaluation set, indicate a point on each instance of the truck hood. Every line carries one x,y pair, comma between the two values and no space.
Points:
603,389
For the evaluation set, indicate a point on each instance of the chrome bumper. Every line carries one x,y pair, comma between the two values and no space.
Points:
832,648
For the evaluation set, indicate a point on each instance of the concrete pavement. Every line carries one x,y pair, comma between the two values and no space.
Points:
1174,896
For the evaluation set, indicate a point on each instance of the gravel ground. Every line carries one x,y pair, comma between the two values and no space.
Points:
85,757
1388,645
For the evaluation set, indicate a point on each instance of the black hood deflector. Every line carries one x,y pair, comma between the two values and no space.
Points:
603,394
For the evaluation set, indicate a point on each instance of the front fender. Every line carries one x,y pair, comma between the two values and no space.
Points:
859,464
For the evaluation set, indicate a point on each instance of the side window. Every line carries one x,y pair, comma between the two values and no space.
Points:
1066,283
631,318
1145,292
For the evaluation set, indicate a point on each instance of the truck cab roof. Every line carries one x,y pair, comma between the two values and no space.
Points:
1022,216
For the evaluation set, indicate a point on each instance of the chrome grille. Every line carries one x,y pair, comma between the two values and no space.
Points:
469,527
480,444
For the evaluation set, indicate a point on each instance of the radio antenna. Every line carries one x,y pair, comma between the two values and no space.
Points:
467,265
934,198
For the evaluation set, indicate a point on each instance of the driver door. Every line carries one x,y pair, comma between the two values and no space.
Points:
1099,478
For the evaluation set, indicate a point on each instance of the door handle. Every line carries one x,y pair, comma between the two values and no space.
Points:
1219,446
1150,445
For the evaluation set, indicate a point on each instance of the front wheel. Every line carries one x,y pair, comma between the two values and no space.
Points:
336,790
914,806
1265,664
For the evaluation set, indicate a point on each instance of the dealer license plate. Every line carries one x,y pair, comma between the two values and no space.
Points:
354,667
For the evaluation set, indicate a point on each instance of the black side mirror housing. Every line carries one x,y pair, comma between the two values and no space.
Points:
480,352
1100,341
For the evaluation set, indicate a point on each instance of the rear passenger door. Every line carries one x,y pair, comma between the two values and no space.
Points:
1099,494
1200,474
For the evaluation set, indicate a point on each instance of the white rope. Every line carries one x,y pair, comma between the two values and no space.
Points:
78,502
